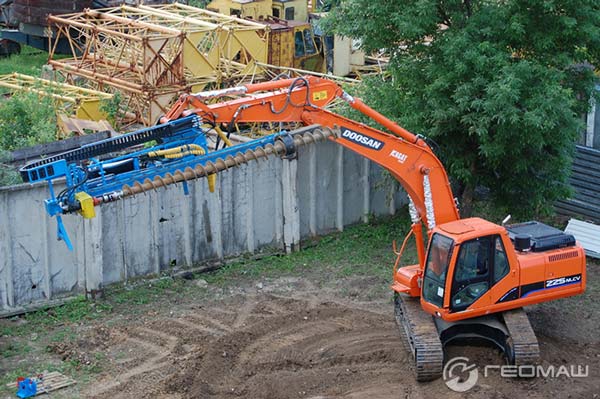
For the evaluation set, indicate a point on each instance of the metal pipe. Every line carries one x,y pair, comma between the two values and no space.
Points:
120,83
305,72
417,229
358,105
91,28
195,10
132,22
19,81
177,17
232,91
37,91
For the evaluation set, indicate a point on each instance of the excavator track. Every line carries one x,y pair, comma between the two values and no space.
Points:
511,331
522,346
421,337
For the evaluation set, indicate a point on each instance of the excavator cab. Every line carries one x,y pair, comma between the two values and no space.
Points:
476,278
474,268
478,264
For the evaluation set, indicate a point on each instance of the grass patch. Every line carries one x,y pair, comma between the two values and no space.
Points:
363,249
13,349
145,292
76,310
63,335
25,118
28,62
80,309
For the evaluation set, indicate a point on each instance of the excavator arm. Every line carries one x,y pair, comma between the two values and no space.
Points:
406,156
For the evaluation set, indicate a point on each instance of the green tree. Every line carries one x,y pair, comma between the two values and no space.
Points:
198,3
499,85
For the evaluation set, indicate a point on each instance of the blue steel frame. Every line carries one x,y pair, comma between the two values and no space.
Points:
76,174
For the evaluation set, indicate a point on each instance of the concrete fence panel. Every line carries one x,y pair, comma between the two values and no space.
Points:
269,203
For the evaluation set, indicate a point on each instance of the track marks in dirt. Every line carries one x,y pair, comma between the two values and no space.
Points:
155,348
284,347
143,353
208,326
258,346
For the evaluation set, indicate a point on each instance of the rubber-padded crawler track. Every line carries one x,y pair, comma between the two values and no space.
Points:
522,344
422,338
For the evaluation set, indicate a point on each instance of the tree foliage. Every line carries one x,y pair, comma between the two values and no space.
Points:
499,85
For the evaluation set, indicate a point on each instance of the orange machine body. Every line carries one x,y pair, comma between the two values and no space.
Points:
530,277
468,284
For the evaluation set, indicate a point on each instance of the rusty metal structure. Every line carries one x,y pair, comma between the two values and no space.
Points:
151,54
26,21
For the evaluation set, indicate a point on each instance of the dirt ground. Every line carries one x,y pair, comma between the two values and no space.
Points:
290,337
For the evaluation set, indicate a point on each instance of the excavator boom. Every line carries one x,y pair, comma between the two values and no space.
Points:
406,156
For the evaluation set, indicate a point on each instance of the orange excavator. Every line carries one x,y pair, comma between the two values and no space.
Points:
474,276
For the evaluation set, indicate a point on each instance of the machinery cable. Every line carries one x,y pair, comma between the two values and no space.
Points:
288,99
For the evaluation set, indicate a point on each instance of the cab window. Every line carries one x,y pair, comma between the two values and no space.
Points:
500,261
298,44
289,13
304,43
473,260
472,272
309,42
480,264
436,268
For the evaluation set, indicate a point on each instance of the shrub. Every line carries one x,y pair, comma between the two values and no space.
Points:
25,119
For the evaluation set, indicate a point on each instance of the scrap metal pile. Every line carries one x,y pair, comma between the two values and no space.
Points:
152,54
